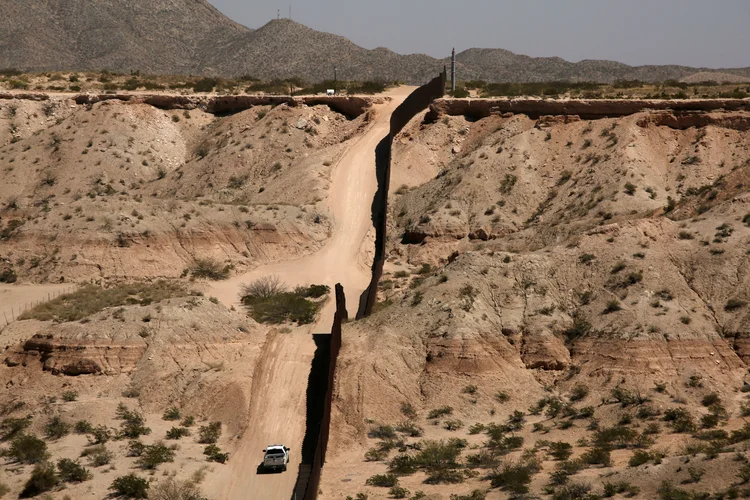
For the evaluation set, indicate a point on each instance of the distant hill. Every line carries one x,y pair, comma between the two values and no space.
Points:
192,37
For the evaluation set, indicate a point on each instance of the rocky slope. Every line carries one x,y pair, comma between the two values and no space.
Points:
529,257
126,189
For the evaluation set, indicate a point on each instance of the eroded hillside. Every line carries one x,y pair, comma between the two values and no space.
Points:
119,189
552,281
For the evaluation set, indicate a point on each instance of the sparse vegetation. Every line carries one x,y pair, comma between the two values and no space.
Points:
268,301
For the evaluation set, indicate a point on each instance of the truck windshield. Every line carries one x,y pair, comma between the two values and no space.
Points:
274,452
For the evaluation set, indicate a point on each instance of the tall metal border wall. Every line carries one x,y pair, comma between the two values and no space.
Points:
418,101
319,400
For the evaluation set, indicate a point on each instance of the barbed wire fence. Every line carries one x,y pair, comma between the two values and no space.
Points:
9,315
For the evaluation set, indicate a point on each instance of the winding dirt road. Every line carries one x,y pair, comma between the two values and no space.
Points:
278,407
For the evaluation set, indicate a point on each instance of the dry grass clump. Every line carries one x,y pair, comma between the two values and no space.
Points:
91,299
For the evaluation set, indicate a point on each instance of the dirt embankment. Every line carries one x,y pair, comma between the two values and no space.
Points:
587,109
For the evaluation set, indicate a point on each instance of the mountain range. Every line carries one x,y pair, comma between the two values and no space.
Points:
192,37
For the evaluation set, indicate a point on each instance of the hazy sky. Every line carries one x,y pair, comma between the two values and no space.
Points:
711,33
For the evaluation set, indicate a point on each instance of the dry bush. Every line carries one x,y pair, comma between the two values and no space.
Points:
264,288
171,489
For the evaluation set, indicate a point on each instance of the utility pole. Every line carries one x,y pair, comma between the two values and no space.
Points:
278,14
335,80
453,71
290,9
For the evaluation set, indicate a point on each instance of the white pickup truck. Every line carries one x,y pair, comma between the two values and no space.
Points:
276,458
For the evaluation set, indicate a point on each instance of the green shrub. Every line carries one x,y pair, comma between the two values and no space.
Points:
502,397
440,412
597,456
83,427
171,413
514,477
561,450
155,455
100,434
578,392
382,480
177,433
188,421
98,455
72,472
11,427
27,449
453,425
268,301
435,455
711,399
214,454
91,299
210,269
130,486
133,425
43,478
612,307
56,428
69,396
410,429
680,420
398,492
382,432
445,476
209,434
639,457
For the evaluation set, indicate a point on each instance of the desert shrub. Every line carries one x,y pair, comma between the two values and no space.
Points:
615,437
98,455
398,492
188,421
56,428
209,434
445,476
560,450
573,491
100,434
268,301
27,449
514,477
136,448
410,429
453,425
171,413
375,455
482,460
612,489
474,495
71,471
578,392
734,304
502,397
680,420
155,455
172,489
214,454
43,478
597,456
612,307
711,399
382,480
177,433
407,409
11,427
210,269
440,412
564,470
639,457
435,455
130,486
205,85
133,424
91,299
382,432
69,396
83,427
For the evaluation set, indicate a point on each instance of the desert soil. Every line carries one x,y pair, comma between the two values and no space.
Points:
278,397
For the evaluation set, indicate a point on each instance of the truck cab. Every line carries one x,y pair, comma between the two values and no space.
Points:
276,457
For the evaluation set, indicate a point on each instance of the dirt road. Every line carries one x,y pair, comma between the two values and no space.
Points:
278,406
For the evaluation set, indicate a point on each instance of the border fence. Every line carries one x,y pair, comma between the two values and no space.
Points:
11,314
